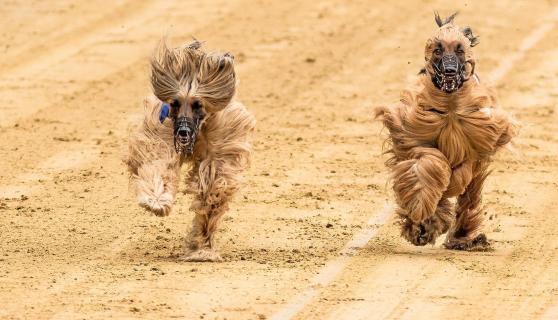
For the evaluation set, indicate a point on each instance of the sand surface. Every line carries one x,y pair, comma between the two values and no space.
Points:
74,244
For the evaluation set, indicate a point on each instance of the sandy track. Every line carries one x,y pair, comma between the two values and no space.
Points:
74,244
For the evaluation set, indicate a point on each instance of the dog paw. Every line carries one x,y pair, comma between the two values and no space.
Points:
201,255
478,243
418,234
160,206
426,232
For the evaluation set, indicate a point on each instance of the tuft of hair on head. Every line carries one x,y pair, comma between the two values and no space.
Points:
447,20
208,76
172,68
468,33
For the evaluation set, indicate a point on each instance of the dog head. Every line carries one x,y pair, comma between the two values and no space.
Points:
448,55
190,83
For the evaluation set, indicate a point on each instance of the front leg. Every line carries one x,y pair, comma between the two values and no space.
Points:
156,185
222,155
208,207
428,230
152,162
465,233
419,184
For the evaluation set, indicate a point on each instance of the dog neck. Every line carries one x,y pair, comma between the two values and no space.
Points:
435,97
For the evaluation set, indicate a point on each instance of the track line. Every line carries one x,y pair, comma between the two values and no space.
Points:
333,268
65,52
55,164
529,42
73,37
330,271
509,61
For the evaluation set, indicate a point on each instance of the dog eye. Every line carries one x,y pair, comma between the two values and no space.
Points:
196,105
437,51
175,103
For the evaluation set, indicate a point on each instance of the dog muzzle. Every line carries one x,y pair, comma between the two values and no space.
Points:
185,133
449,73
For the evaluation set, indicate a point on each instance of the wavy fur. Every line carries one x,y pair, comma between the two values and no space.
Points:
441,145
221,152
189,71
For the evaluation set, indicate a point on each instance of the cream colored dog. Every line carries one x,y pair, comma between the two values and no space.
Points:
194,119
442,136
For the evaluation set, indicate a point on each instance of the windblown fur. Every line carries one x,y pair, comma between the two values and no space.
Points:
152,161
441,146
221,152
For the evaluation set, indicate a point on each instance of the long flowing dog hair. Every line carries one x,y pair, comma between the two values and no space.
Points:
187,69
221,151
440,146
152,161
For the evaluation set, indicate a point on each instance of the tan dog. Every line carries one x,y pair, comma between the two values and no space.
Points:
194,119
442,137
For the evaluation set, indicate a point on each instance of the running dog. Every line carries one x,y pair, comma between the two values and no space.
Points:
442,136
192,118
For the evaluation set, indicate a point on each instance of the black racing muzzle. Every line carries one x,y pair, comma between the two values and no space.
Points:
449,73
185,133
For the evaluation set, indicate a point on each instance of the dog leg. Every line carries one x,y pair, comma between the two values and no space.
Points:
153,165
157,184
222,156
209,207
429,229
200,245
419,184
465,233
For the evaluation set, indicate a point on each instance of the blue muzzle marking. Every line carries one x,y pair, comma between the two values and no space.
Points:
165,110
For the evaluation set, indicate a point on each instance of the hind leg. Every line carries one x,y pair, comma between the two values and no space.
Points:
465,233
419,184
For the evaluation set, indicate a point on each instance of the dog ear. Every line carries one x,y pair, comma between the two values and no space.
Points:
468,33
164,84
441,22
216,81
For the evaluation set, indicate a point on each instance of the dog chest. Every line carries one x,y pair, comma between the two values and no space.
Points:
467,134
